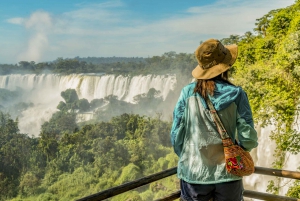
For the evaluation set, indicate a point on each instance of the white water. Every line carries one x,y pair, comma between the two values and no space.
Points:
90,86
263,157
44,91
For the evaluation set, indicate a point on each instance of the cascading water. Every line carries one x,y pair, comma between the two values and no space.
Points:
44,91
263,157
90,86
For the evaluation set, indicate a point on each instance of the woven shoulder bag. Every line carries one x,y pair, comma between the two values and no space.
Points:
238,161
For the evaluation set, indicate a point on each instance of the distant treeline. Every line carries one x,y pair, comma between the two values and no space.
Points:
107,60
169,62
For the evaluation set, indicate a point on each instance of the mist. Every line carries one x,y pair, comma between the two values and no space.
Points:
38,27
42,94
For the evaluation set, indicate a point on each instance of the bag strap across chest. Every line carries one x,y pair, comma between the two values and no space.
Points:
221,129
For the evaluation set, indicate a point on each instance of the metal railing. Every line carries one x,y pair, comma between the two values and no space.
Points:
160,175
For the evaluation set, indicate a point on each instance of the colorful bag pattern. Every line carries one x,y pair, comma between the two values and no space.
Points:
238,161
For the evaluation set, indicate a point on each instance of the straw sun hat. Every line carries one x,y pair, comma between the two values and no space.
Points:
213,59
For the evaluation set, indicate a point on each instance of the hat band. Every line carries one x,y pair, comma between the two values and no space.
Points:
209,65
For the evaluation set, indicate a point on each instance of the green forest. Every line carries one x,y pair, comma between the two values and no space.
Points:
168,63
69,160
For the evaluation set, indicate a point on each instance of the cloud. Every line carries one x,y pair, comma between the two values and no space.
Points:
16,20
111,29
115,34
97,12
222,18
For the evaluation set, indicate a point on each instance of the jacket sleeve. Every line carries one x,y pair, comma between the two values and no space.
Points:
247,135
178,125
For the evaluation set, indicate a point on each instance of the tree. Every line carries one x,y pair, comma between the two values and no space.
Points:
83,105
95,103
70,96
62,106
60,122
148,101
15,151
262,23
233,39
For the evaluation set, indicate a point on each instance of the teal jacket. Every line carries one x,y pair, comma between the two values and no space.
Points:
196,140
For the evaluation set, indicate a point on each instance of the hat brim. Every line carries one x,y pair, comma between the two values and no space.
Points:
200,73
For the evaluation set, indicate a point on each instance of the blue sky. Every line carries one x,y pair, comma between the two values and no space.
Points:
43,30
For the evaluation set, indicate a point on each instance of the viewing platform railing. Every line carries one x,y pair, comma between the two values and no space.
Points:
160,175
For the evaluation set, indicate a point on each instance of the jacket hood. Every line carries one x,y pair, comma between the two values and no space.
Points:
224,94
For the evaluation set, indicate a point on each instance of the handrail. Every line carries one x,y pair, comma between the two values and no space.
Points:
277,173
267,196
129,186
166,173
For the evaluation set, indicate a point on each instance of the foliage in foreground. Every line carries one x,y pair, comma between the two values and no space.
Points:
268,68
93,158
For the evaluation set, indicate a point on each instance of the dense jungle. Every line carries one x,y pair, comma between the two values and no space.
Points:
70,160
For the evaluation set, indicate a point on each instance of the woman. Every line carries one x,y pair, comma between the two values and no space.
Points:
194,135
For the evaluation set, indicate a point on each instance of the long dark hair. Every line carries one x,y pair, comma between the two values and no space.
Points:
205,87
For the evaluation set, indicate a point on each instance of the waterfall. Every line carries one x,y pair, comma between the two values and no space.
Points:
91,86
44,91
263,157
